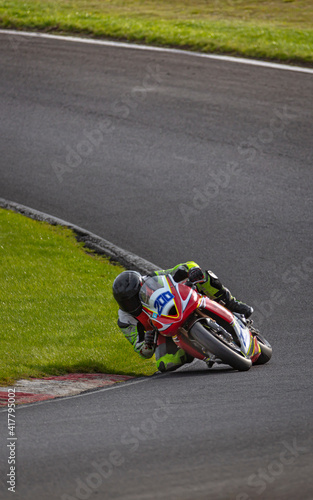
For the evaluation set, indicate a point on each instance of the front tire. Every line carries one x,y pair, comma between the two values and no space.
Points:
266,351
220,349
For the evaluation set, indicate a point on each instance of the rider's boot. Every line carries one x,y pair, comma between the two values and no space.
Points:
212,287
235,305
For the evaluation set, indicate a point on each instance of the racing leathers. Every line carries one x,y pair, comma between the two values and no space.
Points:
169,356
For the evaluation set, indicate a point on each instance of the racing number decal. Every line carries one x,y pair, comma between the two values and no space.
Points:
162,300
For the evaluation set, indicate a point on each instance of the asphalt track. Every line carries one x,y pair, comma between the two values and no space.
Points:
174,158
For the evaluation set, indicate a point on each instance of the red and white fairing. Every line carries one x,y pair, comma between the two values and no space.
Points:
167,305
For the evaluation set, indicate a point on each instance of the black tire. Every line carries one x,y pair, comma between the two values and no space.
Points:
266,351
220,349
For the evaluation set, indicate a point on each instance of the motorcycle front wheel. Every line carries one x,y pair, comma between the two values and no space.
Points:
222,350
266,350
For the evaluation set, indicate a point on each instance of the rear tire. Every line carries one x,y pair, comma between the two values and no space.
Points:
220,349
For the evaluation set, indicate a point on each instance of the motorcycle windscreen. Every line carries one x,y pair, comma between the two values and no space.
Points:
156,296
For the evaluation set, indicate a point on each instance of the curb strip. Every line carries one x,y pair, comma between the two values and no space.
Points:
42,389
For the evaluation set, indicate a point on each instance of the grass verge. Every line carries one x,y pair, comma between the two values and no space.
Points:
274,30
58,314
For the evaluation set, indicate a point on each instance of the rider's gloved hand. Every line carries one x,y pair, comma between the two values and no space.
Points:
149,339
196,275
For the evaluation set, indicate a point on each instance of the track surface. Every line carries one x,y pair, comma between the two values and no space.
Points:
191,159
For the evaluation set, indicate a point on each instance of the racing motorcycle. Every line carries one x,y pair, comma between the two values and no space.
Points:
203,328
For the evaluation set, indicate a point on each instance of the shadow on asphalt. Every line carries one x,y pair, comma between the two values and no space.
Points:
198,372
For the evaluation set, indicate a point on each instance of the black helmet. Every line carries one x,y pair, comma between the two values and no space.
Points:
126,291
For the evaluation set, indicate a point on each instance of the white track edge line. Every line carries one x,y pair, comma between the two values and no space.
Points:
134,46
116,385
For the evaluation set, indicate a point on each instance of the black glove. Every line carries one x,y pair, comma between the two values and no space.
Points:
196,275
149,338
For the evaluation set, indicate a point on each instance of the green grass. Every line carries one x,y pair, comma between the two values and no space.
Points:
275,30
57,313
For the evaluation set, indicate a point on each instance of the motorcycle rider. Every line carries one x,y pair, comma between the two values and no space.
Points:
135,326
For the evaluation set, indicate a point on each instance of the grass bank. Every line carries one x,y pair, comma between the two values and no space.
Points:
275,30
57,313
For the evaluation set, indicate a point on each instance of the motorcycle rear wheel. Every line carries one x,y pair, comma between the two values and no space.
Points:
219,348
